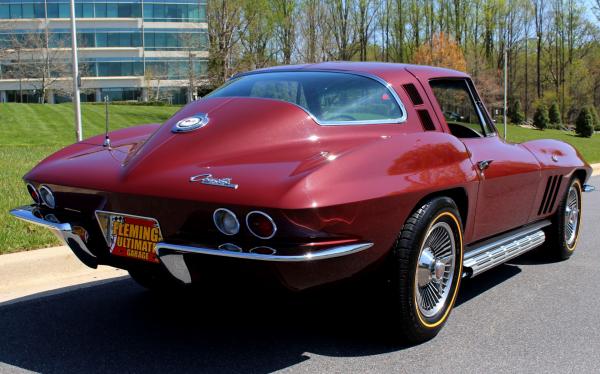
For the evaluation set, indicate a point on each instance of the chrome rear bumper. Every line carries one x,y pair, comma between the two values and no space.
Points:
64,231
172,255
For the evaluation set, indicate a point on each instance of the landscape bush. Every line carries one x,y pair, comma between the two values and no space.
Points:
554,114
584,125
540,117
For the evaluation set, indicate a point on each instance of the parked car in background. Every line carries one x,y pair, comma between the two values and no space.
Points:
312,174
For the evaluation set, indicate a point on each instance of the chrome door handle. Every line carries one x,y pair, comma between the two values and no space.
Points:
482,165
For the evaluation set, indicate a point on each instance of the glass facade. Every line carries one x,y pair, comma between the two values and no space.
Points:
112,46
150,10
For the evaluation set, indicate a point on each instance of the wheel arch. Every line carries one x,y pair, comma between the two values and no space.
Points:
458,195
581,174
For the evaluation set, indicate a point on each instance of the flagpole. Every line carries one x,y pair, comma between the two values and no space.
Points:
76,78
505,90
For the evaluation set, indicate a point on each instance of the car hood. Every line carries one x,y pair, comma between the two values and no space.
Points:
263,146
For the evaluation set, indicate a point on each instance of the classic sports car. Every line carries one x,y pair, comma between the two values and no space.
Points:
311,174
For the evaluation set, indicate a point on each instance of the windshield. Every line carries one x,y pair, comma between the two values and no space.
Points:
330,97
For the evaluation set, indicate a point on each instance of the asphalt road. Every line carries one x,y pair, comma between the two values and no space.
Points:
525,316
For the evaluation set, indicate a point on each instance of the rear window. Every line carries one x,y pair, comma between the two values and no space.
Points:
332,98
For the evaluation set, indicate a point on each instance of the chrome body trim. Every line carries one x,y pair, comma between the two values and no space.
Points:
63,231
496,251
163,248
172,255
376,78
264,215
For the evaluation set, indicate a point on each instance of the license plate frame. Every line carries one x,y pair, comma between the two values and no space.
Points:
129,235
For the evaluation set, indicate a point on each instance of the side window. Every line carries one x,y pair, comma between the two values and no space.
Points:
460,111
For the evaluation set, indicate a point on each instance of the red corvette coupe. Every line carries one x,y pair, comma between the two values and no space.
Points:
310,174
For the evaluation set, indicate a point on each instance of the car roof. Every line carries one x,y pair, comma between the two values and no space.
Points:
380,69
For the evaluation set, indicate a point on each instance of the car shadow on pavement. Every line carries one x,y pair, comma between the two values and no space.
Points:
119,327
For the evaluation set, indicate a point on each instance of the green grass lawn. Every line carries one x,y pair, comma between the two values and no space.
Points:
29,133
589,147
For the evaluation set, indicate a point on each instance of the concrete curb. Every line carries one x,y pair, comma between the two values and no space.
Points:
28,273
595,169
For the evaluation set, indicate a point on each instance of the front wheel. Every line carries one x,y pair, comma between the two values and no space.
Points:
427,267
564,231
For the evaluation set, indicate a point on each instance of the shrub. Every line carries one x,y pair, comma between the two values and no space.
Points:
515,114
595,118
554,114
584,126
540,117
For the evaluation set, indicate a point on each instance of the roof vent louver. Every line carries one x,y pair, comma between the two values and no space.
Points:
426,120
413,93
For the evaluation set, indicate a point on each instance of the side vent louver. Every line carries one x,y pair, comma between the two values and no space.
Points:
550,194
413,93
426,121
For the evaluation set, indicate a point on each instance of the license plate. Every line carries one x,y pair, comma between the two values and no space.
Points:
130,236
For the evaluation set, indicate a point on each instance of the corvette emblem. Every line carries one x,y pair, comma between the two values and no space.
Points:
208,179
191,123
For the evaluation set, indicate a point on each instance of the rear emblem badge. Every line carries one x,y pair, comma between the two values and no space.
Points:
208,179
191,123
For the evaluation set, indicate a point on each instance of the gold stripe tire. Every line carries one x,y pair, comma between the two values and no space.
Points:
562,236
425,280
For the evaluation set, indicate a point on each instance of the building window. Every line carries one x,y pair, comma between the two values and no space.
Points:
122,94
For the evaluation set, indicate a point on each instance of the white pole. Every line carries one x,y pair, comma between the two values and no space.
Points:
76,79
505,91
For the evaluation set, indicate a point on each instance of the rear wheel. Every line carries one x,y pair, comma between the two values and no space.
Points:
564,231
427,267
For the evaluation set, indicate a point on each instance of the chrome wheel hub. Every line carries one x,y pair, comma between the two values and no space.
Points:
571,216
435,269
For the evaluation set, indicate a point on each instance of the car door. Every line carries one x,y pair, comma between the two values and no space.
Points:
508,173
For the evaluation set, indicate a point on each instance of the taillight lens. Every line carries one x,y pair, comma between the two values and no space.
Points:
226,221
33,192
261,225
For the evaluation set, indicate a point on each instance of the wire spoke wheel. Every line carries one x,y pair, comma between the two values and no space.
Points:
572,216
435,269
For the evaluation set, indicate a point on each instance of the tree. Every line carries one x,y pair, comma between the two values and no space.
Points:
554,114
43,61
515,114
192,44
443,52
224,32
540,117
285,27
595,118
258,34
342,27
584,126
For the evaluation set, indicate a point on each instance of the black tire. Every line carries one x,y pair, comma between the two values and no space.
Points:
414,326
155,279
558,247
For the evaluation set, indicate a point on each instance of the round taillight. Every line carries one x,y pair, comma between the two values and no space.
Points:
33,192
47,197
226,221
261,225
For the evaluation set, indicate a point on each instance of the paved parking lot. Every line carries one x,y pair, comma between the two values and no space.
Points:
525,316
